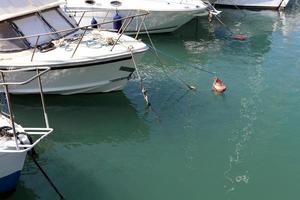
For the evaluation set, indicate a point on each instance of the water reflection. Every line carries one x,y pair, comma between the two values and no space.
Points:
23,193
85,127
85,119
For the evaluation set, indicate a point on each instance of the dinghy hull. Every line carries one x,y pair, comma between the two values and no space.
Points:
10,170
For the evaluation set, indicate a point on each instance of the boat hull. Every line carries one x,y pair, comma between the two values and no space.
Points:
90,66
10,170
253,4
156,21
85,77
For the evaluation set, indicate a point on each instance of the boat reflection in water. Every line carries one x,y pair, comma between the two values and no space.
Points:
90,119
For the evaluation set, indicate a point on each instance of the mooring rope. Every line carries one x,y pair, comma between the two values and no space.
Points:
191,87
142,86
240,37
195,67
239,9
181,62
32,153
45,174
280,7
224,25
143,89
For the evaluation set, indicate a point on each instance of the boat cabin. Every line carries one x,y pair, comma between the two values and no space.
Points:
40,18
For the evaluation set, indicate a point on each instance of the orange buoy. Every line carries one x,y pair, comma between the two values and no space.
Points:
218,85
240,37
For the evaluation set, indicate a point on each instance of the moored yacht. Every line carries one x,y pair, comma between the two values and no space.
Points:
164,16
253,4
81,60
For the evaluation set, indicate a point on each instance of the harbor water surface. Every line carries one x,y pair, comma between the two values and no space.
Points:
192,144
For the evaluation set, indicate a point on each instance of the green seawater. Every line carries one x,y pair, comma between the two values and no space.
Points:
241,145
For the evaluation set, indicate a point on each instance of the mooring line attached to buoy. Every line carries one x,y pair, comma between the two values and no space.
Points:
234,36
218,89
241,10
191,87
181,62
225,26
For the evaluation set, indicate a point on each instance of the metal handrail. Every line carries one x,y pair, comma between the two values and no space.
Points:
139,29
35,46
78,23
122,32
79,42
27,147
45,70
7,94
128,18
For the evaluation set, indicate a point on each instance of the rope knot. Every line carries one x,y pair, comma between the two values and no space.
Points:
130,47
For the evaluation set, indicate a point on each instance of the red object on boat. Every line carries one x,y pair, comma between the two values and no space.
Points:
240,37
218,85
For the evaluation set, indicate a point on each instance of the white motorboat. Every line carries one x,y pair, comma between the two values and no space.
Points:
164,16
16,141
257,4
39,33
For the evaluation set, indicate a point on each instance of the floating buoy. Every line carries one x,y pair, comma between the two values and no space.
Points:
218,85
240,37
117,24
94,23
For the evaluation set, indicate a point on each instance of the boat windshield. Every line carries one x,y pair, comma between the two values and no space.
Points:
7,31
44,22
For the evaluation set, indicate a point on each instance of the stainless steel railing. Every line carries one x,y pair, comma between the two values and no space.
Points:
41,131
126,21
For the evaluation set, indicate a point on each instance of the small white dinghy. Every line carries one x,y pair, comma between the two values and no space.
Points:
16,141
164,16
